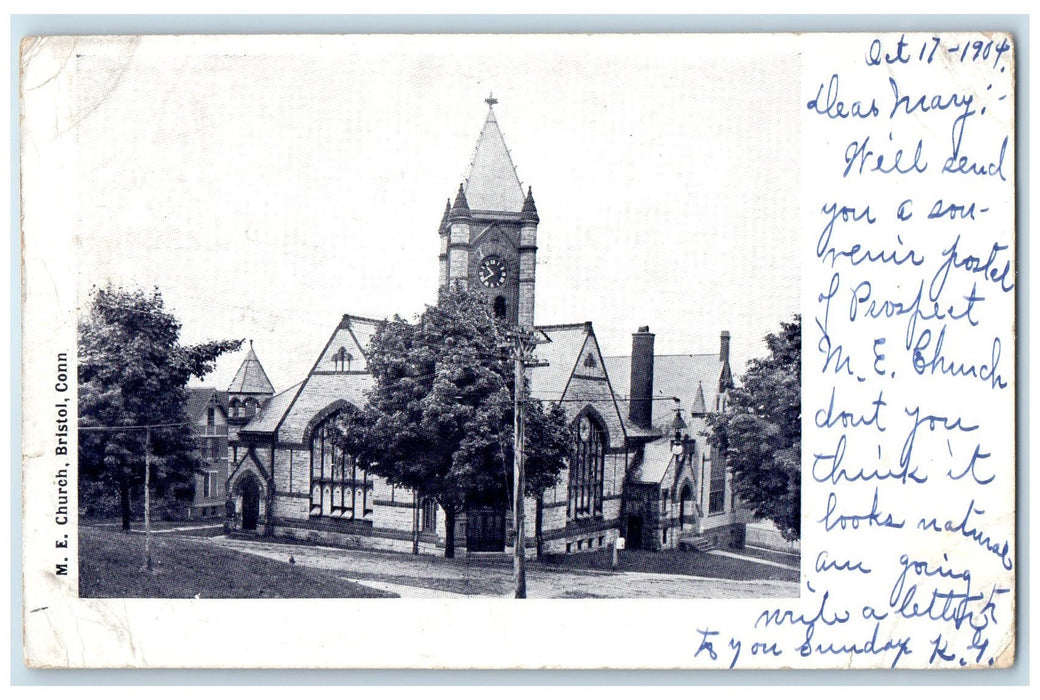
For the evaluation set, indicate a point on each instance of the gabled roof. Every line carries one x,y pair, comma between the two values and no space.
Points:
199,399
266,420
576,376
290,413
560,349
674,376
251,377
657,457
492,183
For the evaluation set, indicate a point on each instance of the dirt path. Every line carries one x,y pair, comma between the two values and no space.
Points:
428,576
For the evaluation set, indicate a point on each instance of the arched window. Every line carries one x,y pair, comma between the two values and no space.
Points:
717,486
500,306
235,406
429,515
585,485
685,504
341,360
339,488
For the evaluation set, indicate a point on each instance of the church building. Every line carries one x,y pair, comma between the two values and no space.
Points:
639,468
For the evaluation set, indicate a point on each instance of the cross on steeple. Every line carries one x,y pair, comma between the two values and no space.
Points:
491,101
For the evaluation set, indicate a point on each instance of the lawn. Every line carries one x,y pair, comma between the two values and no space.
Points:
674,561
110,566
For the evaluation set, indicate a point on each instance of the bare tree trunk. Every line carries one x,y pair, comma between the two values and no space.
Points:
539,504
124,500
449,536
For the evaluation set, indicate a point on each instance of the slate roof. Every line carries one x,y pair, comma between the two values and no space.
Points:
657,457
674,376
560,349
199,398
568,378
288,415
251,377
492,183
266,420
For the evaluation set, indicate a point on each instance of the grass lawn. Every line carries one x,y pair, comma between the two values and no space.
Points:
673,561
110,566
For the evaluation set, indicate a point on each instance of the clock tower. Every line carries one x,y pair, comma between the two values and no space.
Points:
489,232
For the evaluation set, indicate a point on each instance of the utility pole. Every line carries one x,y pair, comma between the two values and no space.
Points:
147,499
522,349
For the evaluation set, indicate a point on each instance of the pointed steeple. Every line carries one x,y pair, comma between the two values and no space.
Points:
492,183
529,212
699,407
251,377
460,209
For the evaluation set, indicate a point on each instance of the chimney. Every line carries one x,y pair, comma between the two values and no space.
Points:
724,347
641,387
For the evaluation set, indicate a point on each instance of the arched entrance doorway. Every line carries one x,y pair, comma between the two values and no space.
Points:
635,532
685,501
250,502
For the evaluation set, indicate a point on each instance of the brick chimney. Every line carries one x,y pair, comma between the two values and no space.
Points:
724,347
641,387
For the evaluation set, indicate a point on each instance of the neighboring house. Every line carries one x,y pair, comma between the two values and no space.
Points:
207,408
679,488
630,474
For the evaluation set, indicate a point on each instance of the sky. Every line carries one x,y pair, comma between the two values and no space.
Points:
269,185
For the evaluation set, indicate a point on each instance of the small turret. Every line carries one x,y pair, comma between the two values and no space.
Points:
249,390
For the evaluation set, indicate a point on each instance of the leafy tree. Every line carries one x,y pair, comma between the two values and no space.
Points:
761,433
133,372
547,445
439,419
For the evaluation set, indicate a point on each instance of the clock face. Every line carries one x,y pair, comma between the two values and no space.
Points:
492,272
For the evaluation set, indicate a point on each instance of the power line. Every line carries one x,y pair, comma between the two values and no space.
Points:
133,427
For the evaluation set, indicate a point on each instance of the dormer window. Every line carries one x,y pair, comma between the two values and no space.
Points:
590,361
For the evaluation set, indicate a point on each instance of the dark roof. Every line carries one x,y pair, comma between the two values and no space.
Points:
199,398
251,377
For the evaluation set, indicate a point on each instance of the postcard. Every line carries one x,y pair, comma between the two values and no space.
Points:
519,351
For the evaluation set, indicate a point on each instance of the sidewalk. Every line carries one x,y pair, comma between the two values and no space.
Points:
424,576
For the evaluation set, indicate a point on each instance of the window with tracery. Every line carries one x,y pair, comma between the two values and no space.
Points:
429,515
339,488
341,360
585,484
717,487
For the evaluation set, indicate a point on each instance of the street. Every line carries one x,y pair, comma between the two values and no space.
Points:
424,576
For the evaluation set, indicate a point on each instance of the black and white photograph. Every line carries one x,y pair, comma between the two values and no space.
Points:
478,318
391,282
